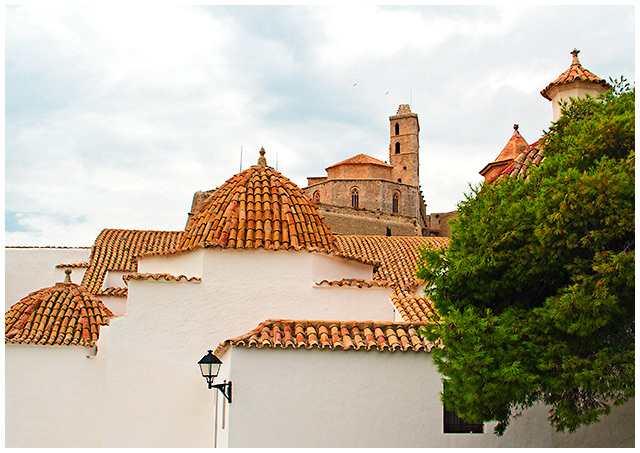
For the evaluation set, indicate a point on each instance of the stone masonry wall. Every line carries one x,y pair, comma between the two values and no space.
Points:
359,221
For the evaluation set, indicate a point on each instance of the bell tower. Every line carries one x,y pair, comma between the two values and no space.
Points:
404,146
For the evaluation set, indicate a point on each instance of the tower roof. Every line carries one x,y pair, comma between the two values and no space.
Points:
514,146
575,73
258,208
64,314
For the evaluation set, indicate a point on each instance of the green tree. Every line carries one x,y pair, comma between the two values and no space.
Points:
535,293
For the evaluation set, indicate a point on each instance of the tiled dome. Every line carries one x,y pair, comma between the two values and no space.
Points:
64,314
258,208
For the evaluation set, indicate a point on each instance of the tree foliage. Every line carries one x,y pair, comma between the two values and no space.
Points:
535,293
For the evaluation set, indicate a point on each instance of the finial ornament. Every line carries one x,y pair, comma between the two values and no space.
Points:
515,127
67,278
262,161
575,53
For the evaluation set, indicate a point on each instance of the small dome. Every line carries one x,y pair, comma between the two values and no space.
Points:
258,208
64,314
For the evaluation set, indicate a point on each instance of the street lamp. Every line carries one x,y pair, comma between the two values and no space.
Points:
210,367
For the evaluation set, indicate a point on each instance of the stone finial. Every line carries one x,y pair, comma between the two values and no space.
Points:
67,278
262,161
575,53
515,127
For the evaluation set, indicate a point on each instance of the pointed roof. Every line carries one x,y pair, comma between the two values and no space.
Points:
361,159
64,314
258,208
575,73
514,146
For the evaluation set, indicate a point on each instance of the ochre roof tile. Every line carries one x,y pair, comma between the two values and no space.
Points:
333,335
64,314
397,255
117,250
575,73
258,208
412,307
361,159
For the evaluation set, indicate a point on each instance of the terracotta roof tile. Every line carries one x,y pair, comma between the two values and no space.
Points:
412,307
532,156
64,314
575,73
361,159
73,265
397,255
514,146
360,283
160,276
333,335
258,208
117,250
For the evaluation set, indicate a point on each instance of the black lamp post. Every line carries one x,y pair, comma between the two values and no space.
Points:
210,367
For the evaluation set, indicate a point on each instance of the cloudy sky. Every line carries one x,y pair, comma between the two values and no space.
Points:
115,116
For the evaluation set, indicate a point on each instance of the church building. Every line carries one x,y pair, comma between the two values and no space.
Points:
364,195
261,324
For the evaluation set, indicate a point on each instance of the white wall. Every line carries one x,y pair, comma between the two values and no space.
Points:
54,396
154,349
31,269
323,398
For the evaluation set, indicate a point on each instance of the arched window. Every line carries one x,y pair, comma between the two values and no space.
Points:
397,129
355,198
395,203
397,147
316,197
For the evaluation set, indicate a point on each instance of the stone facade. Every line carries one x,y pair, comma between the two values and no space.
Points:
363,195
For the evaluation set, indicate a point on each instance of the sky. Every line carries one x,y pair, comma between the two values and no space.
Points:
115,116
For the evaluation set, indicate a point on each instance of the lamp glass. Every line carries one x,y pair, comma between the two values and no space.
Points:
209,365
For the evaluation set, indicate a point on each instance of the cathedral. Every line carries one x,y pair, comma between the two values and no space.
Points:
364,195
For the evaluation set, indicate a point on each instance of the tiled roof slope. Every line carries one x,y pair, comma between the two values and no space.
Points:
116,250
533,155
333,335
397,255
64,314
361,159
575,73
412,307
258,208
514,146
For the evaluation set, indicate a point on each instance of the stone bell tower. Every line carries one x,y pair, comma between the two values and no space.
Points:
404,146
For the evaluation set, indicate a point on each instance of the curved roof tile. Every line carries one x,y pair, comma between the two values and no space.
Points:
117,250
258,208
333,335
64,314
397,255
575,73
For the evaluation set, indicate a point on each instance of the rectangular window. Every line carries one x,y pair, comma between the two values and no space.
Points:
454,424
451,423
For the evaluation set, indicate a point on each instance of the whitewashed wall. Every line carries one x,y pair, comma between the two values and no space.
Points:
30,269
153,373
54,395
323,398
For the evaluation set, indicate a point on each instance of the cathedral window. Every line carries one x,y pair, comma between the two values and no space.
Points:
355,198
395,203
397,129
316,197
397,147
